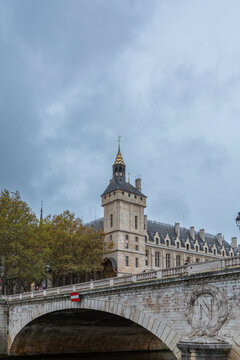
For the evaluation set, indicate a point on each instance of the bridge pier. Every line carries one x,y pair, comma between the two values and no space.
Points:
3,329
195,351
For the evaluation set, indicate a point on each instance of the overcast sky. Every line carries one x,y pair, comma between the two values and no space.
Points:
165,75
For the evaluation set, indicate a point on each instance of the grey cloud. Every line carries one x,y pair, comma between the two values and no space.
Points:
76,74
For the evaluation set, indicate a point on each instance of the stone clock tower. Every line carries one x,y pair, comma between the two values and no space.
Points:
124,220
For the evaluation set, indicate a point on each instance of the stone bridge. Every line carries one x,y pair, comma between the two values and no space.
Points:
184,312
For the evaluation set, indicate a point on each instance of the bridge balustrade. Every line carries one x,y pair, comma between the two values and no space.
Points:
214,265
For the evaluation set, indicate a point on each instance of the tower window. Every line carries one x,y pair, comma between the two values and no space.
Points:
126,237
105,197
136,262
122,193
109,195
126,261
111,220
136,238
110,237
140,198
136,246
114,193
145,238
135,196
129,195
126,244
136,222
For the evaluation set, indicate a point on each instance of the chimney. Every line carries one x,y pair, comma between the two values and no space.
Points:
234,242
177,228
220,238
138,184
202,234
192,232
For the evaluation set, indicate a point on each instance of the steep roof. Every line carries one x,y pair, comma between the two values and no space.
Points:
119,158
163,229
125,186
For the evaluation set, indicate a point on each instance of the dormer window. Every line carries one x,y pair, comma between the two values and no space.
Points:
205,250
178,245
196,248
187,246
157,241
167,243
214,251
223,253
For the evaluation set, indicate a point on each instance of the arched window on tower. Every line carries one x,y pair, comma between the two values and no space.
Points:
111,220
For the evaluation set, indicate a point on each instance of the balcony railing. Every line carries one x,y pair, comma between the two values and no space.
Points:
190,269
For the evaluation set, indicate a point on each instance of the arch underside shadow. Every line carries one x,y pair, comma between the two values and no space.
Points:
80,330
92,326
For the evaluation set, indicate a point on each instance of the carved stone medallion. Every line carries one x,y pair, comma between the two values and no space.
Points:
207,310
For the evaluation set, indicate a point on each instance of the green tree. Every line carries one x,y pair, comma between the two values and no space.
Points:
21,251
72,247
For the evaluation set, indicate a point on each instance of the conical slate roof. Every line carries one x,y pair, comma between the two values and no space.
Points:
119,159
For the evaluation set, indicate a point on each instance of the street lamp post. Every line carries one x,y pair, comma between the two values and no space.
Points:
238,220
47,271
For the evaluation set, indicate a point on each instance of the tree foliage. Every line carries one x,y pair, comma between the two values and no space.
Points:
72,247
21,252
27,244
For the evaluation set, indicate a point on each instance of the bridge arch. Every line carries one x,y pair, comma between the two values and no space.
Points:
151,323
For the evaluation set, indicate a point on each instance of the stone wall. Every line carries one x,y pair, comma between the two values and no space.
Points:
3,328
204,306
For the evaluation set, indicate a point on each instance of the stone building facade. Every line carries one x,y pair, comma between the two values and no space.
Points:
140,244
